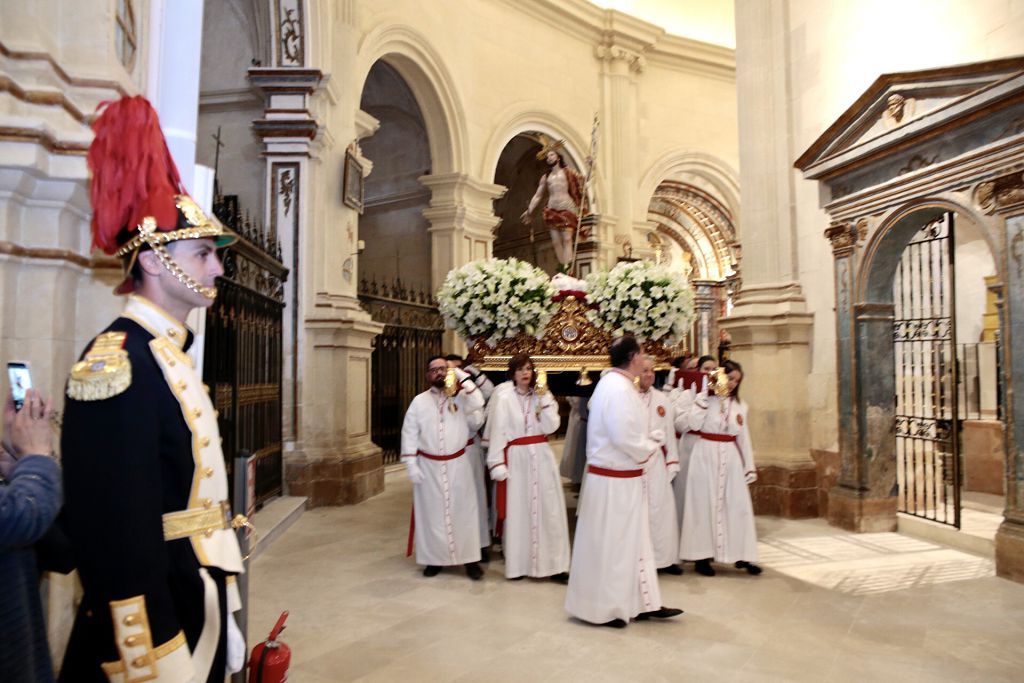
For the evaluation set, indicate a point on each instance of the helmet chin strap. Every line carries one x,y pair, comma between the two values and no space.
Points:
147,229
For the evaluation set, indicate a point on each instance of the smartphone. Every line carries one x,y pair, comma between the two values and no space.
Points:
21,381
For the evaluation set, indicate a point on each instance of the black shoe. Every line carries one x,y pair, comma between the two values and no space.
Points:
485,554
673,569
474,571
751,568
614,623
704,568
561,578
663,613
516,578
431,570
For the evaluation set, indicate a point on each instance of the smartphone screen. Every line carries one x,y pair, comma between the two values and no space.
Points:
21,381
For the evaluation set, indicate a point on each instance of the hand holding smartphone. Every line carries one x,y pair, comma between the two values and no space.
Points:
20,377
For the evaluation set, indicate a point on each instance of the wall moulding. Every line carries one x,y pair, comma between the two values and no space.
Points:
48,254
91,83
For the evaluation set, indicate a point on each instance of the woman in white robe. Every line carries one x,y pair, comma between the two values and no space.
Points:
718,520
534,530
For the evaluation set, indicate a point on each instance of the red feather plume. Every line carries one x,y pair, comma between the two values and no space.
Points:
133,173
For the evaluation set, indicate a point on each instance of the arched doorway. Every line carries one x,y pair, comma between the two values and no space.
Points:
519,170
395,266
696,234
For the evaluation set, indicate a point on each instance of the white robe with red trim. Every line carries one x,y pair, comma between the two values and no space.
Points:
718,519
535,535
660,498
613,574
445,504
682,401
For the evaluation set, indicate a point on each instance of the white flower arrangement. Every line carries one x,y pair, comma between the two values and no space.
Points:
497,299
646,300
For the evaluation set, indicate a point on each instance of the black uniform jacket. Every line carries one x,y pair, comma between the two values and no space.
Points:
128,460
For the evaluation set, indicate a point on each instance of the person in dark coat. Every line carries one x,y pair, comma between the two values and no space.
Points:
29,500
145,481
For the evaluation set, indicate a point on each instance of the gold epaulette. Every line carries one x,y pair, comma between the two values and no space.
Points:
105,371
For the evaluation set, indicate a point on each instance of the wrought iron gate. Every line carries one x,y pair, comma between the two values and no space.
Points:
411,335
243,351
927,411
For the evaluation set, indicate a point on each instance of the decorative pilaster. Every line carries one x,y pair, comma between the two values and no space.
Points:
769,325
461,216
329,456
620,67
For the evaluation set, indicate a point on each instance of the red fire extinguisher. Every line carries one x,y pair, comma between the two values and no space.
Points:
270,659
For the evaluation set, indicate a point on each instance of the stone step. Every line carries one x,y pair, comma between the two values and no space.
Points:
977,535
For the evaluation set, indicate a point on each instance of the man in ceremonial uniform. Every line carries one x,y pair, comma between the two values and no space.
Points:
144,477
659,473
613,577
445,528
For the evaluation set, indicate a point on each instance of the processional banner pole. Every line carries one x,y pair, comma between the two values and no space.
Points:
591,161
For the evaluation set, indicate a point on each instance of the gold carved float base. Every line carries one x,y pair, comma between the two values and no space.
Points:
570,343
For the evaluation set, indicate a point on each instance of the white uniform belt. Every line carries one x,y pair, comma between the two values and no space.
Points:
193,522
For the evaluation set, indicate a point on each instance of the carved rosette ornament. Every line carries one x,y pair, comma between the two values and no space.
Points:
1004,192
570,343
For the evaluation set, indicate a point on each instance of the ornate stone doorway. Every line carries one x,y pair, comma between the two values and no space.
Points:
915,149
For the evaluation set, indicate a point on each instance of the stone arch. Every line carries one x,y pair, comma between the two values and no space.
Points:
682,209
422,68
679,163
883,249
520,120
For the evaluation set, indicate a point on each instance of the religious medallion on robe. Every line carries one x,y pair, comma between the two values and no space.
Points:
661,411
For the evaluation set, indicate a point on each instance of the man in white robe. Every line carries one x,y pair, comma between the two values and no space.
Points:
613,577
659,473
435,433
476,454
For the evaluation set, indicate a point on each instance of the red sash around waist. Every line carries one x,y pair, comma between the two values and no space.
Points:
500,488
431,456
617,474
725,438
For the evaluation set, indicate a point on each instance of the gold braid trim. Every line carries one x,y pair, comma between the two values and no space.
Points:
105,371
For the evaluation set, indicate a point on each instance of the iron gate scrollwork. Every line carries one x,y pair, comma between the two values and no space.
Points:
243,348
928,418
412,334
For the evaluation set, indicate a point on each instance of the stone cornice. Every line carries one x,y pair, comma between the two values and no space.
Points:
229,100
77,82
66,255
588,23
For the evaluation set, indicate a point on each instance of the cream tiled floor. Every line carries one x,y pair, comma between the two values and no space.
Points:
831,606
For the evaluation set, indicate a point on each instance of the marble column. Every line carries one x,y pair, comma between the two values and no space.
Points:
770,324
1010,537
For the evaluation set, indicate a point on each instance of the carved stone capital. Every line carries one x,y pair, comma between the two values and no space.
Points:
610,52
843,236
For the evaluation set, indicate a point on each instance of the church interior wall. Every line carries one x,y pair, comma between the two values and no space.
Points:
57,63
836,50
227,102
